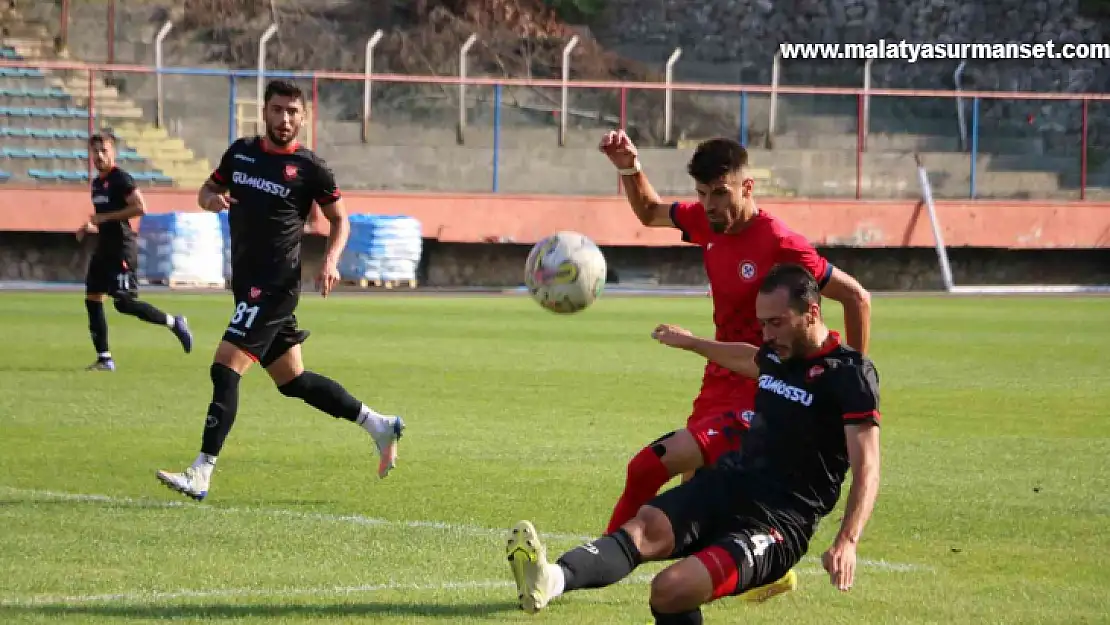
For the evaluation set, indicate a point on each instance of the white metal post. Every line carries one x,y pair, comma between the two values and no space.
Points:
668,96
957,77
159,103
866,121
938,237
370,43
564,111
270,32
470,41
773,114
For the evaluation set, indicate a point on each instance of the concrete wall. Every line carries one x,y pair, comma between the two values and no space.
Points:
56,257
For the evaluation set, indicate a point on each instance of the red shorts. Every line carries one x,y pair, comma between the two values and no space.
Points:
720,418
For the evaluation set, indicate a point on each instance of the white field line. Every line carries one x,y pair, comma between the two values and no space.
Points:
155,596
469,530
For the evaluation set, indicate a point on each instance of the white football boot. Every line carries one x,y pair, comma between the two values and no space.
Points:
193,482
537,580
386,430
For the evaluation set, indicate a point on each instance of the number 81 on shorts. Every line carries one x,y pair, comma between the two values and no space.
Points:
243,317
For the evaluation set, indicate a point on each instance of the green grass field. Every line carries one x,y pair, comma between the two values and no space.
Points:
995,487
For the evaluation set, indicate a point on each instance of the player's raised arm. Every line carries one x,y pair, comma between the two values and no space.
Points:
835,285
860,406
738,357
856,302
646,203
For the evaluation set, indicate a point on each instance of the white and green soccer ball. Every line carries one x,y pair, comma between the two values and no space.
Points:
565,272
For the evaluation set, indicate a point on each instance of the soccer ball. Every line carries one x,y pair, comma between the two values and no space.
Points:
565,272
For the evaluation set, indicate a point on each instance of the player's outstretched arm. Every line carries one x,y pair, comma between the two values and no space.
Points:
738,357
136,207
646,203
856,302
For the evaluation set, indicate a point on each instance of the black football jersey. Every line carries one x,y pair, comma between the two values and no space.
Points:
796,449
273,193
109,194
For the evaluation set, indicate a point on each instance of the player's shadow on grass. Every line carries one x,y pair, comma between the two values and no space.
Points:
221,611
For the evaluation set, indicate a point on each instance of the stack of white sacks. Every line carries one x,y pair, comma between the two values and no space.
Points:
181,247
382,248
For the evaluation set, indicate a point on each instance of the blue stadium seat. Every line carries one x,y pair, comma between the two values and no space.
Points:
4,176
19,72
41,174
16,153
24,92
72,176
7,52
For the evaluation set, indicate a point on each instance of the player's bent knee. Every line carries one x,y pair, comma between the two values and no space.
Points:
680,588
123,303
682,453
233,357
297,387
651,532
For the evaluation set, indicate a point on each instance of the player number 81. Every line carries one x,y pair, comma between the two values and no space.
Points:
241,310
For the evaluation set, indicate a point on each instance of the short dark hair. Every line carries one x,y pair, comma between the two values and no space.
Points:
801,287
715,158
104,136
282,88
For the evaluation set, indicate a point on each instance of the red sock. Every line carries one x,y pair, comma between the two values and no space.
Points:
646,475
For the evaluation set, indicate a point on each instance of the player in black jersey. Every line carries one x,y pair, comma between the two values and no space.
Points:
112,268
738,528
268,185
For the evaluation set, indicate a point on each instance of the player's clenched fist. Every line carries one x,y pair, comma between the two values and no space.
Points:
619,148
218,202
672,335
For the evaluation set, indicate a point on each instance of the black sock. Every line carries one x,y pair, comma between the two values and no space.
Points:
141,309
98,326
610,559
692,617
323,394
221,412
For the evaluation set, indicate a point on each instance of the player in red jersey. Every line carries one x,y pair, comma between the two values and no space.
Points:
741,244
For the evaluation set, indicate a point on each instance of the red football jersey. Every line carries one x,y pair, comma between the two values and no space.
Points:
735,265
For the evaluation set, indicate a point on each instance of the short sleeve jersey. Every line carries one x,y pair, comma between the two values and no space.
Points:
796,447
109,194
736,264
273,194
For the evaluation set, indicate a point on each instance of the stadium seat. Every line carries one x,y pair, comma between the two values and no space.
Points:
7,52
4,176
72,176
19,72
16,153
41,174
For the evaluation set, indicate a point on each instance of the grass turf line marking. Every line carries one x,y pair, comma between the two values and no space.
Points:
357,519
157,596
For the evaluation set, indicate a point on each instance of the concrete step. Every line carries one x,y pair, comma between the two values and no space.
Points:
883,142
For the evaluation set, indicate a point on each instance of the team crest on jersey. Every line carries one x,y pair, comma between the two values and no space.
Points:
747,416
747,270
290,172
813,372
255,292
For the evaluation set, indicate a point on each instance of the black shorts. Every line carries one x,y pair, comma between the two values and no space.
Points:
111,275
735,538
263,323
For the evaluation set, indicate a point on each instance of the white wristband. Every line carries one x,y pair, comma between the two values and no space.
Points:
631,171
